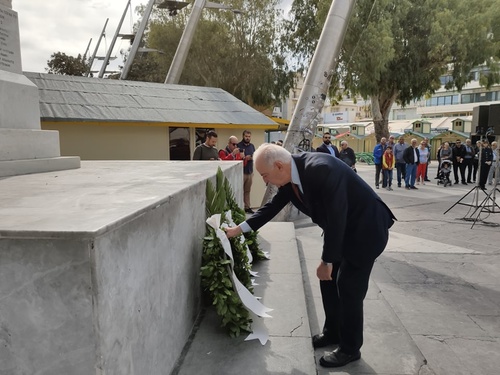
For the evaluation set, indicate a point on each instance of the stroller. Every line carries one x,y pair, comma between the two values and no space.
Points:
444,173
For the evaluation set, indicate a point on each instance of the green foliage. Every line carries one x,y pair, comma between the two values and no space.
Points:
236,52
216,282
397,50
216,266
239,217
60,63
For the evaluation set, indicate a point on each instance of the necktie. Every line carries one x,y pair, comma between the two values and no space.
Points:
296,191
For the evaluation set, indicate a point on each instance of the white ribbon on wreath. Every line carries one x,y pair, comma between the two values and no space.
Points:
250,302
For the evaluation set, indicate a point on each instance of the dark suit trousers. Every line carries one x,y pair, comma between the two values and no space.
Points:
459,167
483,174
343,304
378,171
468,169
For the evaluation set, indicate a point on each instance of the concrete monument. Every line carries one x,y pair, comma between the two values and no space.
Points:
24,147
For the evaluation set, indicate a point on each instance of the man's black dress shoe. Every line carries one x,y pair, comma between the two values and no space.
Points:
338,358
249,211
321,340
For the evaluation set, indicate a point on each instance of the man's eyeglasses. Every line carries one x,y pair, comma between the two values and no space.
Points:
234,144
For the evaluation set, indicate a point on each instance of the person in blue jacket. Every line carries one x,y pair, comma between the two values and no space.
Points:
378,151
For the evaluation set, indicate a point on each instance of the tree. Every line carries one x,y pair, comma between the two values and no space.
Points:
396,51
60,63
236,52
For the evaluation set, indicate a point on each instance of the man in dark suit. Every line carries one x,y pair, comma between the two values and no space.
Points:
356,226
458,155
327,147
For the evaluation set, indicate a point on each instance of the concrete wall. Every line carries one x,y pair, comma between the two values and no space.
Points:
46,307
108,142
138,142
147,273
116,289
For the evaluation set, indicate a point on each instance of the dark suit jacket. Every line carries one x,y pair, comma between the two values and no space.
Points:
458,152
354,219
324,148
409,156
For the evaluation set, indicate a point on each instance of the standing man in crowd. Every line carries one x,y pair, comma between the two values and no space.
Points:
495,161
207,150
398,150
411,157
428,146
247,149
344,206
458,156
378,151
391,142
231,152
468,160
327,146
486,162
347,155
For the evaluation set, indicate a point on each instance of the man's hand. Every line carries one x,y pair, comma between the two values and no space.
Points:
233,231
324,272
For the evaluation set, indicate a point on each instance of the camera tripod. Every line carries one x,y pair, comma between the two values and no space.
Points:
488,204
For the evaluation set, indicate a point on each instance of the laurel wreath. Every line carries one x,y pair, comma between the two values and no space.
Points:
216,267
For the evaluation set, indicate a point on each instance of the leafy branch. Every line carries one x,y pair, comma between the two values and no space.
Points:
216,273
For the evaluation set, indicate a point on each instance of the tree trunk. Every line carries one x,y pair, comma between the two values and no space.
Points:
381,108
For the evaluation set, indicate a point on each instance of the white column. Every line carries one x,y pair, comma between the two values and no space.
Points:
24,147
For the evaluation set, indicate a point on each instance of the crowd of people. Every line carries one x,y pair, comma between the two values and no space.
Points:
343,205
412,162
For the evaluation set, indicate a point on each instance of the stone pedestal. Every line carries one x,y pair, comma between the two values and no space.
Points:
24,147
99,266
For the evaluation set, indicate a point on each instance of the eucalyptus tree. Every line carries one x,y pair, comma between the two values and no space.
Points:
397,50
238,52
60,63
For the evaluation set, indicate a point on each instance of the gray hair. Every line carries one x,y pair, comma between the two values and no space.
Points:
272,153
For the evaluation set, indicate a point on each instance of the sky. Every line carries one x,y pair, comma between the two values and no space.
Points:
67,26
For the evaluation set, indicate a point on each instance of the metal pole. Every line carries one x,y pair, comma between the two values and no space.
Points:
110,50
97,47
312,97
87,50
319,75
175,71
137,40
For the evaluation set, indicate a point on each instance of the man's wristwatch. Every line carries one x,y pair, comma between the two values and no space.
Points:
326,263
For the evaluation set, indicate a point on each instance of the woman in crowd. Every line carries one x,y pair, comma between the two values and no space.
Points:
423,159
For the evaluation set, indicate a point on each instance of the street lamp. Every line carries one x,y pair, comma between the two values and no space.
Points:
172,6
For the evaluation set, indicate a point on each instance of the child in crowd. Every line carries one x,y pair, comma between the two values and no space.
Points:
388,163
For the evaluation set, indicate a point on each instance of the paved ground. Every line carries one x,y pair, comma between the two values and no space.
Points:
433,305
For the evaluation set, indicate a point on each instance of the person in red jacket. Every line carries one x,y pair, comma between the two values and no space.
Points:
388,163
231,152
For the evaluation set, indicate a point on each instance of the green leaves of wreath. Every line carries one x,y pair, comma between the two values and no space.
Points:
215,269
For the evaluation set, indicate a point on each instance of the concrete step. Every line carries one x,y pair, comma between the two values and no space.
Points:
288,351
